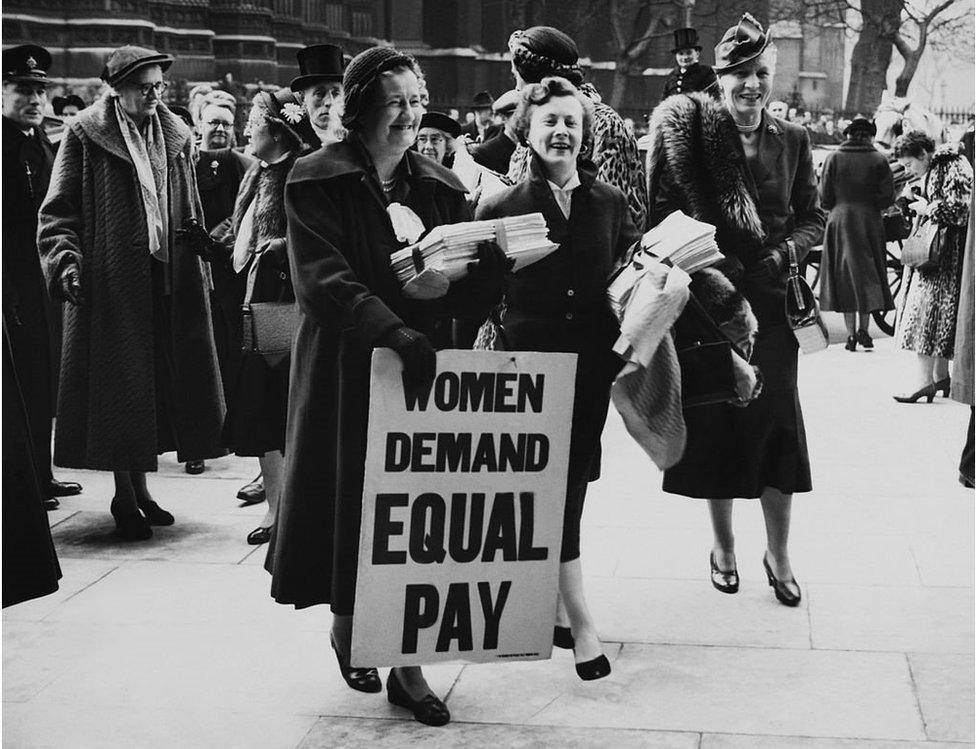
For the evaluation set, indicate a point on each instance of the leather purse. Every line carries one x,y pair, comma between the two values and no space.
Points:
923,249
897,226
802,311
704,357
268,327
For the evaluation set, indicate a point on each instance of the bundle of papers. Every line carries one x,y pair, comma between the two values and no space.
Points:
684,242
448,248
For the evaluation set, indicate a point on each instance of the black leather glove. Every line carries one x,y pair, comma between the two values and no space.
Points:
491,268
418,356
70,284
195,238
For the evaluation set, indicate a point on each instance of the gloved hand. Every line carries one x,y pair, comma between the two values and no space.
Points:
195,238
731,267
70,284
418,356
491,267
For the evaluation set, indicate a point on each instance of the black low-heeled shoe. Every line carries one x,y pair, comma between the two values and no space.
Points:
726,582
429,709
783,594
562,637
360,679
155,514
131,526
593,669
851,344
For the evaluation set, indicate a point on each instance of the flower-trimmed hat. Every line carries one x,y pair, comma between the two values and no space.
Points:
283,108
126,60
741,43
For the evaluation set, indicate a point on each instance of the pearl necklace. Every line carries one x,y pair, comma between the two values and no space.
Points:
388,185
748,128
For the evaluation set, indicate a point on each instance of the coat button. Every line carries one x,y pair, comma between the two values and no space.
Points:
570,292
569,315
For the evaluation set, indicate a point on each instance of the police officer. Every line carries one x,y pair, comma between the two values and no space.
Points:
28,156
690,75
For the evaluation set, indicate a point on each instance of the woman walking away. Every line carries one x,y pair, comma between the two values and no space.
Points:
927,318
118,236
560,304
350,205
751,175
855,187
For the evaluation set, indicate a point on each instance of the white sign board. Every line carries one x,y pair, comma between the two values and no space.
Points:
463,509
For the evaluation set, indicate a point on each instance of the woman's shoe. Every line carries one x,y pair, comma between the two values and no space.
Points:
927,392
851,344
562,637
131,526
360,679
155,514
864,339
259,536
195,467
943,385
429,710
594,669
783,594
727,582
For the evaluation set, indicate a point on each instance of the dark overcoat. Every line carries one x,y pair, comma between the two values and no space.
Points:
855,187
29,311
697,77
111,372
340,239
560,303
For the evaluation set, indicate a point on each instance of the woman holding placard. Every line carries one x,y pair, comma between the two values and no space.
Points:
350,205
560,303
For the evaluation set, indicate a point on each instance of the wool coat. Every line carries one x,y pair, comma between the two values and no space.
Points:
856,185
340,239
32,317
697,164
962,374
128,343
696,77
560,303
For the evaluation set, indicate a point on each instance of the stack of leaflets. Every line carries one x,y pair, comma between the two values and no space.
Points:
684,242
448,248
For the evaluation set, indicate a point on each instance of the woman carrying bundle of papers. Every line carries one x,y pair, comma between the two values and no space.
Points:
559,303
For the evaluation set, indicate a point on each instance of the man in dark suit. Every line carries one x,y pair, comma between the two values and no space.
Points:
28,156
690,75
481,129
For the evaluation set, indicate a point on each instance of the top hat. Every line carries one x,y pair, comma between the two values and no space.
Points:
126,60
861,125
319,62
26,63
482,100
442,122
741,43
686,38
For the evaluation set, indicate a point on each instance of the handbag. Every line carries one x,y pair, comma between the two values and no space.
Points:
704,357
923,249
802,311
268,327
897,226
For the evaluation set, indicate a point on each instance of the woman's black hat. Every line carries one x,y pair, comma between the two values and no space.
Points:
741,43
58,103
861,125
126,60
686,38
361,71
442,122
319,62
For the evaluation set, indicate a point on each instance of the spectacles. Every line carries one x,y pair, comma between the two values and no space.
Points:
158,87
220,123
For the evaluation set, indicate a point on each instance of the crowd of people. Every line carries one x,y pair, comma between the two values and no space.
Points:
170,249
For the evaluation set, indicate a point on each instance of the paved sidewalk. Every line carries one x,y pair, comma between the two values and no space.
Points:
176,643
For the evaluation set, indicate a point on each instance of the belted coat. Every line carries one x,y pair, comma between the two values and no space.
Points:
110,379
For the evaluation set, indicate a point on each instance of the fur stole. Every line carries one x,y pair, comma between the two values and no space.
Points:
264,184
726,306
698,146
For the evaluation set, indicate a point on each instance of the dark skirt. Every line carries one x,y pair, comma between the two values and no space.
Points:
738,452
258,407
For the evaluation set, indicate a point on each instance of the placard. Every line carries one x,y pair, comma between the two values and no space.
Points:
463,509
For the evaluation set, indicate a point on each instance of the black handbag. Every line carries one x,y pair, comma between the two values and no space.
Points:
705,358
268,327
802,311
897,226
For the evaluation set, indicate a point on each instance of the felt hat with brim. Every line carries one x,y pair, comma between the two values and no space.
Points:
741,43
26,63
482,100
506,103
861,125
126,60
441,122
686,38
317,63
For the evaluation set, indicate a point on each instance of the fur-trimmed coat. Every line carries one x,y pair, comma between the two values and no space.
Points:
93,217
697,164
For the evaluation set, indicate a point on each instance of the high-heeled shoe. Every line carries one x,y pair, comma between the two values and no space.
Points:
783,594
727,582
943,385
360,679
155,514
131,526
851,344
865,339
562,637
429,709
593,669
927,392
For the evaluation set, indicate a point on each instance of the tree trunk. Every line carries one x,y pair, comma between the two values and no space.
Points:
904,78
872,54
621,78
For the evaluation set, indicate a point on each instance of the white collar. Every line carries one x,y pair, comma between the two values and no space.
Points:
571,184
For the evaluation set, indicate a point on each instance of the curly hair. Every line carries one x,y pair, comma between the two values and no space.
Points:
544,51
535,94
913,145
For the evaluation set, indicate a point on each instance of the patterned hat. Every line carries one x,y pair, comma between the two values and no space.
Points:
741,43
361,71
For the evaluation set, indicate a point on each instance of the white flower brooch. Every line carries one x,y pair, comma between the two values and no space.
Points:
292,112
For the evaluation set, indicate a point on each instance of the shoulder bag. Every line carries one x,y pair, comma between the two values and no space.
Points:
268,327
802,311
923,248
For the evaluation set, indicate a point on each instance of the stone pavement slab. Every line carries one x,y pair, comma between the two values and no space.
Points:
944,683
730,741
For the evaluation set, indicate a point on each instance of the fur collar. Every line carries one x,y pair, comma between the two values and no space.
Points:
698,144
99,125
264,185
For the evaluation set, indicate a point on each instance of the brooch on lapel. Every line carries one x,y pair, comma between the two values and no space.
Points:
773,129
213,167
